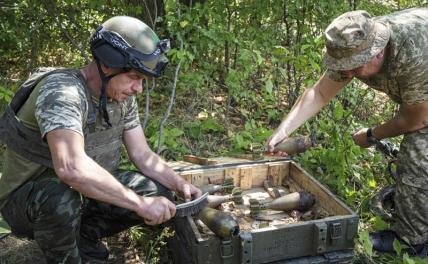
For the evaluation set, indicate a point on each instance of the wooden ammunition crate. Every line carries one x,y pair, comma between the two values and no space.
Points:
326,240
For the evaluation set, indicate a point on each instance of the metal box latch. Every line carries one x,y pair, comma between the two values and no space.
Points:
336,231
226,249
320,237
246,247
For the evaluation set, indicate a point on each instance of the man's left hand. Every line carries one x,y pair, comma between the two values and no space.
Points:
188,190
360,138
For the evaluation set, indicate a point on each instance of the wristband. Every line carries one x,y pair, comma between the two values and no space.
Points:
370,138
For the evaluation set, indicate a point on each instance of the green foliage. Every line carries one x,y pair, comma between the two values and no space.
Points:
258,56
5,94
170,139
364,240
378,223
152,241
251,136
198,128
4,228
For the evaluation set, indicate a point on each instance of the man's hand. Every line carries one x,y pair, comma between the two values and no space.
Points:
156,210
187,190
360,138
278,136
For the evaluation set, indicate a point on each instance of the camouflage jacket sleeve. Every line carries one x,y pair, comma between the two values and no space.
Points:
131,117
412,75
61,104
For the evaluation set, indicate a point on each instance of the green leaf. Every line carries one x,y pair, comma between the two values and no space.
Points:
338,111
407,259
239,140
211,124
372,183
379,223
4,227
175,132
398,248
269,86
365,241
280,51
184,23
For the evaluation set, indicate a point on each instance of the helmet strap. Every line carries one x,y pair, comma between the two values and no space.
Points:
102,105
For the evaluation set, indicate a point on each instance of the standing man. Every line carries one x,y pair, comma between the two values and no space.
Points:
64,130
390,54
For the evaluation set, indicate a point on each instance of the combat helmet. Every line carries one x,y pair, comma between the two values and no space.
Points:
126,43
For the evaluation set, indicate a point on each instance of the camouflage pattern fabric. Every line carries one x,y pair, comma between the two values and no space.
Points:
411,195
404,76
58,101
352,39
61,103
382,203
55,215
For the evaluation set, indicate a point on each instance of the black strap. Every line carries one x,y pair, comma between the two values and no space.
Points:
103,97
370,138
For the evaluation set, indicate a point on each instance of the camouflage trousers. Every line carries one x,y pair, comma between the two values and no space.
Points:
56,216
411,194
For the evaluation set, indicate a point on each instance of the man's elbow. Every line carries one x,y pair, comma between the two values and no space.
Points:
417,126
141,157
323,100
68,173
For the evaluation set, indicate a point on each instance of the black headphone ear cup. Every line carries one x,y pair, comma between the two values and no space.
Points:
110,56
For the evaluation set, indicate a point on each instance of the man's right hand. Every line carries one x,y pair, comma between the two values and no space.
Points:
278,136
156,210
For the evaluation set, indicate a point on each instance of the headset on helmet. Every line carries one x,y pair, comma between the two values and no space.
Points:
115,52
126,43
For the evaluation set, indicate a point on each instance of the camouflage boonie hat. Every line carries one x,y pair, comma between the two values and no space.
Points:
353,39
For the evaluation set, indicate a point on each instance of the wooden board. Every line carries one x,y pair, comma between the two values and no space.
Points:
248,176
324,196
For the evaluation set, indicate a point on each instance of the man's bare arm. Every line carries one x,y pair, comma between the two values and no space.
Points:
79,171
150,164
410,118
308,104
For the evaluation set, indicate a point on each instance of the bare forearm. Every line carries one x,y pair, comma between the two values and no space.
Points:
398,125
90,179
310,103
306,107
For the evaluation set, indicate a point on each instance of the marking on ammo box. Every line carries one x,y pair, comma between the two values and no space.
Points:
280,243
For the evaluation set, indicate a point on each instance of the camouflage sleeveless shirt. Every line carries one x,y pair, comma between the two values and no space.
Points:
60,100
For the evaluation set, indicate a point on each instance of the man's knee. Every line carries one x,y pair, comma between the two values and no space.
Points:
142,185
56,201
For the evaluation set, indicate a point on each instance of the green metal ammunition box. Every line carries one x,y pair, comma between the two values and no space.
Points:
326,240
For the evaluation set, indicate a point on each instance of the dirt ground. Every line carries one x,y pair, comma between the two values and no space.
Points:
14,250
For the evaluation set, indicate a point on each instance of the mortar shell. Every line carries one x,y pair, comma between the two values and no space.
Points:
294,201
295,145
220,223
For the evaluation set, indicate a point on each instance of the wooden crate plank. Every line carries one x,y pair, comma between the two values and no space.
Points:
234,173
246,180
324,196
228,160
208,176
274,174
197,179
181,164
199,160
259,174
